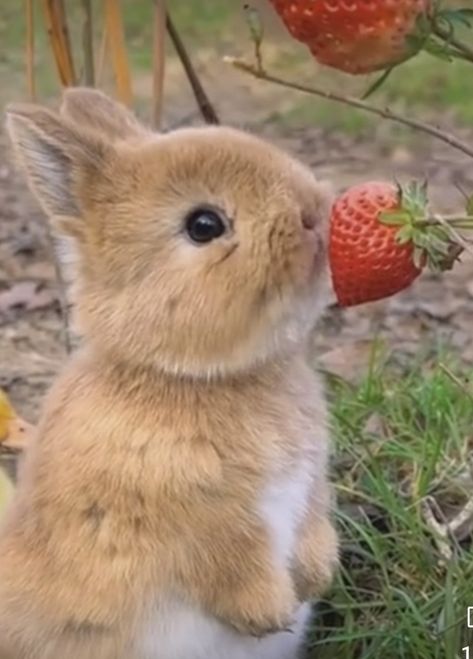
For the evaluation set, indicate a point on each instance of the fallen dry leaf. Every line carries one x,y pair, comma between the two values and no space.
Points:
14,431
375,425
28,295
351,362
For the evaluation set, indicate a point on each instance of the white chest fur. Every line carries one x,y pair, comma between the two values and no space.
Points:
283,504
183,632
180,631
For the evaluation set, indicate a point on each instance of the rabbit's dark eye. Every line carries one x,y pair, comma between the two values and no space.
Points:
204,225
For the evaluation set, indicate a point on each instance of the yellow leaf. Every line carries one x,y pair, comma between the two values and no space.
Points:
14,431
7,413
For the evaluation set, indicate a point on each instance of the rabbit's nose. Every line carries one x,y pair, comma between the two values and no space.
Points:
308,221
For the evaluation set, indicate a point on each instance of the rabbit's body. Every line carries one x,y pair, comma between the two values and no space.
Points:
174,504
187,632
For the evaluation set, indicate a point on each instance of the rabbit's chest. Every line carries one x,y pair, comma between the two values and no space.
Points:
284,501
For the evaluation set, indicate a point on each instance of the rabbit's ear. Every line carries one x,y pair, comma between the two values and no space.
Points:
95,111
55,157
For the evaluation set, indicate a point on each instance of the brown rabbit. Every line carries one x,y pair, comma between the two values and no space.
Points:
174,502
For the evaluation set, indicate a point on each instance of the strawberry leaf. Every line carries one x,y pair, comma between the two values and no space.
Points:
378,83
414,198
405,235
462,17
440,50
419,257
394,218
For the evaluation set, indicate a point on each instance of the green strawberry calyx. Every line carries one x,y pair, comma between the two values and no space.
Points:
436,240
436,32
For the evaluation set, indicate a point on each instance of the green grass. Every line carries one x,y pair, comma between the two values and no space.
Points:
396,596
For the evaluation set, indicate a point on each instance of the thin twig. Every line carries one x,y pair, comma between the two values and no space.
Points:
465,222
55,41
30,50
205,106
386,113
101,56
159,59
446,35
116,42
454,234
88,43
438,530
64,32
463,518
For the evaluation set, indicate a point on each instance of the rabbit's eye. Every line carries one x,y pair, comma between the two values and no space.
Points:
204,225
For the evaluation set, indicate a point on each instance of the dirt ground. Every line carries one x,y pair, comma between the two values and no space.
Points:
435,309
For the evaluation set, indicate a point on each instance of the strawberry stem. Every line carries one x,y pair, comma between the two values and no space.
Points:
459,222
383,112
465,51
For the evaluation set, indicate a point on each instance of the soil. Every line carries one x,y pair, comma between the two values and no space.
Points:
436,309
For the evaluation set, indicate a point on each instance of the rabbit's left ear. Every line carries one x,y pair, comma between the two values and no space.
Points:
93,110
56,157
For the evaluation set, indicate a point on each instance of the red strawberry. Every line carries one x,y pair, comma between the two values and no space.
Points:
380,240
358,36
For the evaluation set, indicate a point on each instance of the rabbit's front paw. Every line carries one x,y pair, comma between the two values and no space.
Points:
316,560
263,607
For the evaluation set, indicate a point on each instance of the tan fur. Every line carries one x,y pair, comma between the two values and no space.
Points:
191,389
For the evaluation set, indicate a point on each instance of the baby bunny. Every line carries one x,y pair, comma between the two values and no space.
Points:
174,503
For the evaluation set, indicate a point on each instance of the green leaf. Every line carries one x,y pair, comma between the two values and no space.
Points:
378,83
418,256
414,198
405,235
415,42
462,17
395,218
469,205
439,50
438,246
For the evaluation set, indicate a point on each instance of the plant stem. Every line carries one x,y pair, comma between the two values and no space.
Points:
458,222
30,50
88,44
446,35
159,60
386,113
205,106
117,45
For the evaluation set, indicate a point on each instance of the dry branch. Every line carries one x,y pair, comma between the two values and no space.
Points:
159,59
88,43
205,106
30,59
385,113
56,26
116,43
100,66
